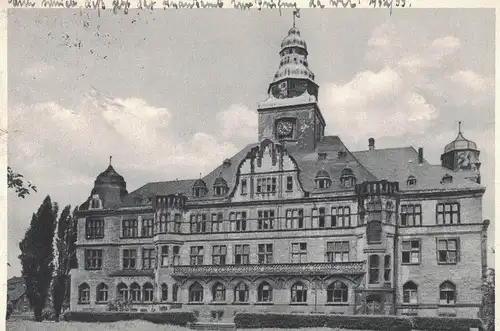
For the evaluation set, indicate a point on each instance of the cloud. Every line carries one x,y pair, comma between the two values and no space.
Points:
471,80
238,121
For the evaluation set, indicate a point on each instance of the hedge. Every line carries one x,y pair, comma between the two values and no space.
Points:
446,323
174,318
268,320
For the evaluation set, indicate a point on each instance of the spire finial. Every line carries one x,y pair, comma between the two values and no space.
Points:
110,160
459,127
296,13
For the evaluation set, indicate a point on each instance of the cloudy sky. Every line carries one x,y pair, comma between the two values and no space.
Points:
170,94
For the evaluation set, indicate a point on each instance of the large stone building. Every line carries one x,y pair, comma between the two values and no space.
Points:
293,223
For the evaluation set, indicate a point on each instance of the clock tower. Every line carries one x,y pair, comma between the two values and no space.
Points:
462,155
291,113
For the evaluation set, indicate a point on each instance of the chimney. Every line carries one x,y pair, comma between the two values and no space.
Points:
420,155
371,144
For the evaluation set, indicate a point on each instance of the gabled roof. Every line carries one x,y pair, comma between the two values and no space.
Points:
16,288
158,188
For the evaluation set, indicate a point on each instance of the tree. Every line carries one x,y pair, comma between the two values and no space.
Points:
15,181
37,258
488,313
66,253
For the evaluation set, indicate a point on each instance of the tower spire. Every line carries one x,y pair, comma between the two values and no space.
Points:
459,127
110,160
296,13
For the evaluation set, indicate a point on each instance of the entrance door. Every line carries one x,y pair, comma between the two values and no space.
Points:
373,305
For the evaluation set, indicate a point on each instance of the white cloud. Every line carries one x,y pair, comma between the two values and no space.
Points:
471,80
238,121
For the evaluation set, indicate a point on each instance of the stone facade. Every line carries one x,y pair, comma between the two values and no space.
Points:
293,223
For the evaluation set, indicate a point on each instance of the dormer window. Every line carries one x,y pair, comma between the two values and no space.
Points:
220,187
322,180
347,178
95,202
447,179
321,156
199,188
342,154
411,180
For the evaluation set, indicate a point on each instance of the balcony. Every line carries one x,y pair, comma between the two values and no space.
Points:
338,268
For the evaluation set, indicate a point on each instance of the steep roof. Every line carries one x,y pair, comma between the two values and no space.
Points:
158,188
16,288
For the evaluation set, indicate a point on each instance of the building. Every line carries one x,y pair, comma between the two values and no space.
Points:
16,295
295,222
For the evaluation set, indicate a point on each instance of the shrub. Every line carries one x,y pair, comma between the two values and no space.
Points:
386,323
48,314
446,323
175,318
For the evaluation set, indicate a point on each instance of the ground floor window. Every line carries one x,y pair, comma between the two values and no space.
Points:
196,293
102,293
147,292
264,292
336,292
84,293
241,293
135,292
299,293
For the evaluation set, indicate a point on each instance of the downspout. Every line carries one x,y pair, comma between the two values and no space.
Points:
395,258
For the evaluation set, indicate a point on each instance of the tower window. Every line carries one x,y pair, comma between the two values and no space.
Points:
289,183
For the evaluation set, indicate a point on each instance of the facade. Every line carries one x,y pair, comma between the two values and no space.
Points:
295,222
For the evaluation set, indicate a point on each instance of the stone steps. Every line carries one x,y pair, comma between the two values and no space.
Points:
216,326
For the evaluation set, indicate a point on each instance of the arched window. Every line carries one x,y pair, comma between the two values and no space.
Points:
347,178
410,291
102,293
135,292
219,292
264,292
122,290
411,180
336,292
374,232
374,265
196,293
175,290
84,293
164,292
447,293
299,292
147,292
241,292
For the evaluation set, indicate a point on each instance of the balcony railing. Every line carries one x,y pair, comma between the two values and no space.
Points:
338,268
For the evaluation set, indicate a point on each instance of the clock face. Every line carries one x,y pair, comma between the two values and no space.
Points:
284,129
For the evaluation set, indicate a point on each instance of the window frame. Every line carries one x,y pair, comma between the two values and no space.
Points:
332,251
456,250
93,254
300,252
449,212
265,256
94,228
410,251
129,257
406,214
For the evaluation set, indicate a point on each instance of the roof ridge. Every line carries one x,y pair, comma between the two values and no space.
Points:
385,149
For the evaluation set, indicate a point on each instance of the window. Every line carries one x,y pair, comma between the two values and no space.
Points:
387,268
147,228
95,202
294,218
241,292
164,292
289,183
241,254
94,229
264,292
84,293
135,292
217,222
219,292
164,256
129,258
196,255
448,213
411,181
410,293
322,183
266,185
176,255
265,253
337,292
411,251
175,290
93,259
448,250
411,215
447,293
318,217
147,292
244,187
161,223
102,293
199,223
299,293
148,258
219,253
196,293
337,251
265,219
122,290
129,229
177,223
238,221
299,253
341,217
374,232
374,269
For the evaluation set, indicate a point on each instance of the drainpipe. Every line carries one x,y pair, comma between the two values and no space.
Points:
395,259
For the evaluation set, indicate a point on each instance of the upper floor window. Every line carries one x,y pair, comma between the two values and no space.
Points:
219,253
238,221
410,251
220,186
265,219
448,250
129,228
148,258
94,229
199,223
177,223
244,187
374,232
199,188
410,291
337,251
129,258
294,219
318,217
341,216
448,213
176,255
95,202
374,269
411,181
299,252
147,228
196,255
322,179
347,178
265,252
411,215
266,185
447,179
164,256
217,222
447,293
93,259
289,183
241,254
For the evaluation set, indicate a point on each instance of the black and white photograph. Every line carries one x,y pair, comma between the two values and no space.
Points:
214,169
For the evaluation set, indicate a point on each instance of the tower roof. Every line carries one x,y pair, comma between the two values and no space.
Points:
109,176
460,142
